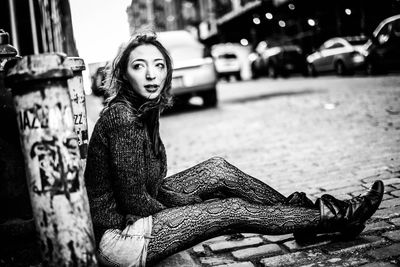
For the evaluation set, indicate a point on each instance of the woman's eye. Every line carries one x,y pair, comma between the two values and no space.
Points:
137,66
160,65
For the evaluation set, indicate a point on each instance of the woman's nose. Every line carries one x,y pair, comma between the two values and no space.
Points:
150,74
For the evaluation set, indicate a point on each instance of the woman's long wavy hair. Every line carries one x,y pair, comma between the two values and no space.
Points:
120,90
117,86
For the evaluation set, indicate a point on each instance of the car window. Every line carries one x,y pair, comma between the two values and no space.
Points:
396,28
389,31
384,30
227,56
383,35
357,41
336,45
328,44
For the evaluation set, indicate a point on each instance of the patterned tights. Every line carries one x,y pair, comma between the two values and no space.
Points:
232,202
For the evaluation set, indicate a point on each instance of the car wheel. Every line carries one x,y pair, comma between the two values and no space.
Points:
272,72
209,97
254,72
371,68
311,70
285,74
238,77
304,72
340,68
181,100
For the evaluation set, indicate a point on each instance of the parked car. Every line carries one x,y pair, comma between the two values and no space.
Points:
278,61
194,73
343,55
228,64
383,47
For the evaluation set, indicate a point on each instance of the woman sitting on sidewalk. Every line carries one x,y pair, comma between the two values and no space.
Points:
140,215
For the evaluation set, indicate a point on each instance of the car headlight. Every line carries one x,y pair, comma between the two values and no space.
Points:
252,57
358,58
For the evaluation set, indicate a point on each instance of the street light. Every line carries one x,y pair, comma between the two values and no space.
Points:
269,16
282,24
311,22
291,6
244,42
347,11
256,20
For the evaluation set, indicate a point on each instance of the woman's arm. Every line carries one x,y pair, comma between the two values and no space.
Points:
127,141
104,211
102,202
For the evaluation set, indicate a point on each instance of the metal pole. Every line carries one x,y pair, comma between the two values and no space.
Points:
78,101
13,20
52,161
33,28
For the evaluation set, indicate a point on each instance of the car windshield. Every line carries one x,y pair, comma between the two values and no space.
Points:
227,56
181,45
357,41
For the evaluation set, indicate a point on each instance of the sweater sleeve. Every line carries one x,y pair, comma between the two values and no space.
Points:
127,154
103,207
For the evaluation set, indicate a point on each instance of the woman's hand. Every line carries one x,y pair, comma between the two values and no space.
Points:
131,219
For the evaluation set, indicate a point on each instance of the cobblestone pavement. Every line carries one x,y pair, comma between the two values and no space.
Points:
326,135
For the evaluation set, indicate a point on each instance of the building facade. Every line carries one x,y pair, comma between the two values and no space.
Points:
38,26
306,23
163,15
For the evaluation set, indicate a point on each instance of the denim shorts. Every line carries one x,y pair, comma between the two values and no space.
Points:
127,247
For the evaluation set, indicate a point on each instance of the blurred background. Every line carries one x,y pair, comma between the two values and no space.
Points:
237,35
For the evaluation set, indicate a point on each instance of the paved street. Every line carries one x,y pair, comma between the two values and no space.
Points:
303,132
328,134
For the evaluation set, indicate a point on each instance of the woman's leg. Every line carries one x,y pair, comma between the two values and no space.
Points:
216,177
180,228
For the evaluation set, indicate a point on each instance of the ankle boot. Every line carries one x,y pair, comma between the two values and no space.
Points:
347,217
299,199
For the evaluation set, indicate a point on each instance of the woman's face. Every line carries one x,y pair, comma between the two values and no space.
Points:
146,71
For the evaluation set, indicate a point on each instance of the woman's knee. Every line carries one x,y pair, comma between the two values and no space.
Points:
218,162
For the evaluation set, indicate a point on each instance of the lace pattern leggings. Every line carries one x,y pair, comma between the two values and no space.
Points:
244,204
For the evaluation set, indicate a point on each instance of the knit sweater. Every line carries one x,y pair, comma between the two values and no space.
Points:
123,175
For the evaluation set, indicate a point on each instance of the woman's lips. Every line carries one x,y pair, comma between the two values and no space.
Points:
151,88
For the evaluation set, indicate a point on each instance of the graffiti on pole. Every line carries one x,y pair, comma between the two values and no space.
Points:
58,175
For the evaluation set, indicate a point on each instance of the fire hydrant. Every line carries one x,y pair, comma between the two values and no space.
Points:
60,206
